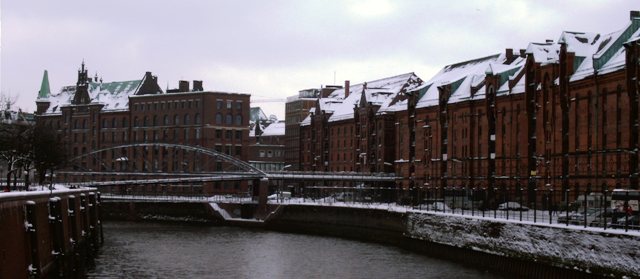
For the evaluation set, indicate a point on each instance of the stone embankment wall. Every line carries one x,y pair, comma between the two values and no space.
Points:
48,235
518,250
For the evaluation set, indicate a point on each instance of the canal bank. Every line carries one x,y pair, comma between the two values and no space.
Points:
515,249
49,234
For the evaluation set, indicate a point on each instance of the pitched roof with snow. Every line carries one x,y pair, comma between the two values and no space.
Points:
382,92
275,129
113,95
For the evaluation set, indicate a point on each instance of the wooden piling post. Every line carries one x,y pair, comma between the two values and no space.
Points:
73,234
31,228
57,235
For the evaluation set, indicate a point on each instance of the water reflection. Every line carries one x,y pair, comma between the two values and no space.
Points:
161,250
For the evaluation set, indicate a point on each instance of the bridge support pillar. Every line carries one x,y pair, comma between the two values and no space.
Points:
263,191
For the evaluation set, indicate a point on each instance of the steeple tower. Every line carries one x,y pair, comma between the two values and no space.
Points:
81,96
42,103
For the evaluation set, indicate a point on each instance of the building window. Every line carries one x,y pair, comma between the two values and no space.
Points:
238,119
104,123
166,120
218,118
228,120
261,153
186,119
176,120
228,104
228,134
196,119
145,121
238,135
218,134
239,105
219,104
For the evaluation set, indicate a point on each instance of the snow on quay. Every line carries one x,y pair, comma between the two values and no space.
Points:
588,250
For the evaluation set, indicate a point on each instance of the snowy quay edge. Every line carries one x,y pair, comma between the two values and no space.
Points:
509,248
49,233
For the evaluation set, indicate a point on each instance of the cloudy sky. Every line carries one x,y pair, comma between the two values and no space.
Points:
272,49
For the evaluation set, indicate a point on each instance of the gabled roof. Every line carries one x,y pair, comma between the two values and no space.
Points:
381,92
274,129
113,95
608,52
544,53
461,76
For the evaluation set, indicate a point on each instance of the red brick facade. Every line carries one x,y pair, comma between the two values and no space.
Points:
556,115
209,119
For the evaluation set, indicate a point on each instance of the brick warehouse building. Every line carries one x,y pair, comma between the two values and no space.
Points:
556,115
93,115
559,115
352,128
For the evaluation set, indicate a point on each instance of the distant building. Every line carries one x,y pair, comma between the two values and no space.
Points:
296,109
94,115
266,150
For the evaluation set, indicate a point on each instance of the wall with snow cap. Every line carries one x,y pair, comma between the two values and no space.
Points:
590,251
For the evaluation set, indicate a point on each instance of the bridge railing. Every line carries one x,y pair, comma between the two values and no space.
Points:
616,209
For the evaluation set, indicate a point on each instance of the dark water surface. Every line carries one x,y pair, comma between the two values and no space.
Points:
164,250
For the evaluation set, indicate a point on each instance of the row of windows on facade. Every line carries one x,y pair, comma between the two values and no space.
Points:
228,119
270,153
166,105
157,135
264,166
185,104
143,136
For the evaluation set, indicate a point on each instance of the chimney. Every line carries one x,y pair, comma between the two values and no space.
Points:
523,53
183,86
509,55
346,89
634,14
197,85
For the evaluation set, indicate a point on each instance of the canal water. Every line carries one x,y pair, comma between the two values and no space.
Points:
169,250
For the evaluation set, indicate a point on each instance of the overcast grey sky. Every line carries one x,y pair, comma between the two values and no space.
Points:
272,49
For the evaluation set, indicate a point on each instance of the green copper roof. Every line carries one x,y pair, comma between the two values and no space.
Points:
44,87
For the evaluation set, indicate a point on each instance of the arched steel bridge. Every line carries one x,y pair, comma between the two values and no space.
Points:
157,163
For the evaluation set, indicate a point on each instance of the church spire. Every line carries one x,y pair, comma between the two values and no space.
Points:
44,87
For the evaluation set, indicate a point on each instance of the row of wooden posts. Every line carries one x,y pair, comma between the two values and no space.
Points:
75,235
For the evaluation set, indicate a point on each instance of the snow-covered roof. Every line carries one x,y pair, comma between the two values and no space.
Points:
113,95
460,76
544,53
275,129
381,92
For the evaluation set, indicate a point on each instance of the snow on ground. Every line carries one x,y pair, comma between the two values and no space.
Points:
586,250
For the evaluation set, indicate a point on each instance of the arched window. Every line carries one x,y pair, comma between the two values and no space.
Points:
145,121
124,122
228,119
84,123
104,123
218,118
155,120
135,121
166,120
176,120
196,119
113,123
186,119
238,119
